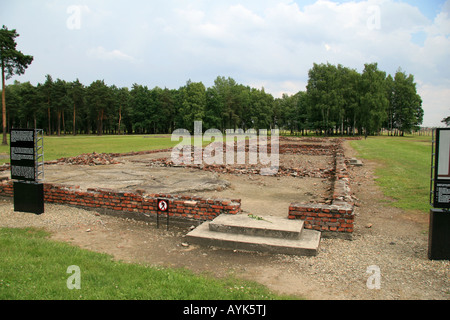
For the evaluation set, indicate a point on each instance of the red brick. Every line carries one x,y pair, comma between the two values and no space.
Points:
326,215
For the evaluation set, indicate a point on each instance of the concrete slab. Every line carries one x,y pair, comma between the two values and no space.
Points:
267,226
355,162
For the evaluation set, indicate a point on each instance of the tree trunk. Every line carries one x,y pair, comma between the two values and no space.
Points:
64,123
49,119
58,123
354,124
120,118
74,118
5,142
100,123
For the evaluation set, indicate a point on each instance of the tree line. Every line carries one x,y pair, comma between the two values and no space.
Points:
61,107
337,100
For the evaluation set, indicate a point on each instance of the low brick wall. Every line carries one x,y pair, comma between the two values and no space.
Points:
334,220
186,208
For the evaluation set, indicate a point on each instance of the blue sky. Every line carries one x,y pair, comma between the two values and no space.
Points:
260,43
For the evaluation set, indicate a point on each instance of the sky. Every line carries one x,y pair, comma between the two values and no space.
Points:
259,43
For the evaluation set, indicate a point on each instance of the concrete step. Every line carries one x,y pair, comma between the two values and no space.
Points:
307,244
355,162
270,226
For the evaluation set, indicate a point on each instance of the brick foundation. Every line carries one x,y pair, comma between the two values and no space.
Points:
185,207
335,220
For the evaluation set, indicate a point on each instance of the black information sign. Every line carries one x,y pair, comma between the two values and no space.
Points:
441,188
29,197
439,229
26,153
23,159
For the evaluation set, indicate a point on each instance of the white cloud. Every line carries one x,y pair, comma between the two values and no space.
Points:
103,54
441,25
435,103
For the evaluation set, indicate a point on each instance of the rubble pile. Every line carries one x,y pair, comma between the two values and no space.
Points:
247,169
307,149
90,159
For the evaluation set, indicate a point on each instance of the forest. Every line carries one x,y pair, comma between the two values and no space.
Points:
337,101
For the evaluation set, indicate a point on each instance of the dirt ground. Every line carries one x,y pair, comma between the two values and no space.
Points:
384,236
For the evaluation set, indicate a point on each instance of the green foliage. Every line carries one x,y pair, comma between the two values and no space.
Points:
407,112
193,104
373,101
12,62
341,100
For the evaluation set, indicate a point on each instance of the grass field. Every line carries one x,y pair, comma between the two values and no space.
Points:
69,146
34,267
404,171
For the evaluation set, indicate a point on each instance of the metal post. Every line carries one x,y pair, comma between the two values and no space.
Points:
39,154
157,219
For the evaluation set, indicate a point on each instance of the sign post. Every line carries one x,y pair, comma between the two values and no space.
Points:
163,206
27,163
439,229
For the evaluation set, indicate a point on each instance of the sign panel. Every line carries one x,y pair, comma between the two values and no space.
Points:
163,205
29,197
439,235
441,190
23,161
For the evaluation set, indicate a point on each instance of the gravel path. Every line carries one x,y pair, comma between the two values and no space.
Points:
344,269
55,218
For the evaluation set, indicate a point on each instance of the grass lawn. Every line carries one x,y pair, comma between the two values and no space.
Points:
34,267
404,171
70,146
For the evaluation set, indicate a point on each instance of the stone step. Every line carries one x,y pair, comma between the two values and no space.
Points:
269,226
355,162
306,245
